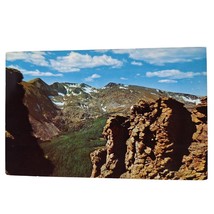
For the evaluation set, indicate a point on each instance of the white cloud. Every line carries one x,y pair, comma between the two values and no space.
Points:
123,78
92,77
137,63
173,74
102,50
138,74
167,81
36,58
161,56
75,61
36,73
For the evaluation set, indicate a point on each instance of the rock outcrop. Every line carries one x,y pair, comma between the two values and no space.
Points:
23,154
45,117
113,155
159,140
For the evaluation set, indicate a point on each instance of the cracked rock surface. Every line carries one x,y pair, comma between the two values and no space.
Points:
158,140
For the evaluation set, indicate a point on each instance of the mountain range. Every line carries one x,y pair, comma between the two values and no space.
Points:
66,106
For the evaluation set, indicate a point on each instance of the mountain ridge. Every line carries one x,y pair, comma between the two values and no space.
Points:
112,84
54,108
79,102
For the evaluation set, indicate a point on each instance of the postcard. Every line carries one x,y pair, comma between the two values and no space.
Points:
111,113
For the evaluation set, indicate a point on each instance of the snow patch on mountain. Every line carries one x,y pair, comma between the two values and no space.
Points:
104,108
61,94
58,103
67,89
123,87
75,93
89,90
190,100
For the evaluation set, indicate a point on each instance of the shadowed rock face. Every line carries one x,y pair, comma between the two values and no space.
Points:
23,154
44,116
159,140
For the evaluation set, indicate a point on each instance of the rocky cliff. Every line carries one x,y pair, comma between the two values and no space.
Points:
23,154
44,115
158,140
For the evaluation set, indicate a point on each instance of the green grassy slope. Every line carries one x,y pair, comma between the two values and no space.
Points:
70,152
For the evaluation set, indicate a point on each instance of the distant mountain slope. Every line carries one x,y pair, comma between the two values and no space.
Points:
43,87
114,93
43,114
79,102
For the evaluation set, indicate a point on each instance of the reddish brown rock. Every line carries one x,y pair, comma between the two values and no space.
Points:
160,140
98,158
43,113
116,134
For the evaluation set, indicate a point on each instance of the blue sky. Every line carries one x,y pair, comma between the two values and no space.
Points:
171,69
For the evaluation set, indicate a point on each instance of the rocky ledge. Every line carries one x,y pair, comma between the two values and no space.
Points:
158,140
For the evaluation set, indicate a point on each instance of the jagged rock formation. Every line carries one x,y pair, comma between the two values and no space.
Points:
159,140
195,163
23,154
109,161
